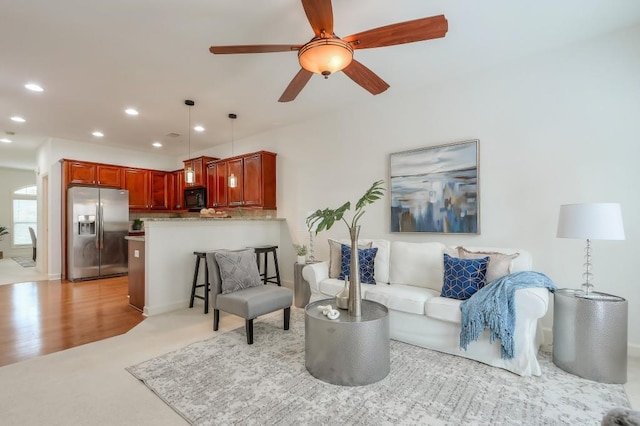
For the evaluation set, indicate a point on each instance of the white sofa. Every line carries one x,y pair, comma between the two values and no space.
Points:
409,278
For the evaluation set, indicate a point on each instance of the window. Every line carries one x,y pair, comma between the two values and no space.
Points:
25,215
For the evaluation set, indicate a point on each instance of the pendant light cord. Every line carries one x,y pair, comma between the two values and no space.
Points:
232,117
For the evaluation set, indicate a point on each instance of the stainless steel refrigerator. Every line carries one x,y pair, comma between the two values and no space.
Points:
97,222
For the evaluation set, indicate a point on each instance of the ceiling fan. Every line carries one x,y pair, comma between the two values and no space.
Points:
327,53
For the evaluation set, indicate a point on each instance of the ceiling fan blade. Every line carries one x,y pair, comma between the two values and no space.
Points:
296,85
254,48
365,78
320,16
400,33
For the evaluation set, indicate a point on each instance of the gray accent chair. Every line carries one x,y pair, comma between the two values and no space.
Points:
248,303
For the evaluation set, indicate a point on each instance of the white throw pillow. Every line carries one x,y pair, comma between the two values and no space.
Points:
417,264
499,263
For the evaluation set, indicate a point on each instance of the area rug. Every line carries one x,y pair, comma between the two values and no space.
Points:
223,381
25,262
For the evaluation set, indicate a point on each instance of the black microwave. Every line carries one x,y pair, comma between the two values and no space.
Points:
195,199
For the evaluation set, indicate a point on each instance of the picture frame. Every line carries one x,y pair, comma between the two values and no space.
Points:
436,189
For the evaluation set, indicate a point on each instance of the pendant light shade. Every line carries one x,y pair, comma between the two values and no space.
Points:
189,174
233,180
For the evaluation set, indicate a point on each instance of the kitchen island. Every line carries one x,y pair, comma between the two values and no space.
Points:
170,243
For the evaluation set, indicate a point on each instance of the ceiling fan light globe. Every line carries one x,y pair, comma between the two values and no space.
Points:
325,55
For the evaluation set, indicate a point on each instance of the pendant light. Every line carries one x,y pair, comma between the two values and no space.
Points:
189,175
233,180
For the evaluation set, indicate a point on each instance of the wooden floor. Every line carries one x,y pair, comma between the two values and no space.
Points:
42,317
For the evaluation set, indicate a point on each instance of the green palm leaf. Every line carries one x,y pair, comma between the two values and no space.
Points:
323,220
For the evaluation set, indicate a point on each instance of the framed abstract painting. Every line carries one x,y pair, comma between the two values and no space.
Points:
436,189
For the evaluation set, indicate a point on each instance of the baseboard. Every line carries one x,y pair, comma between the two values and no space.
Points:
54,277
547,335
157,310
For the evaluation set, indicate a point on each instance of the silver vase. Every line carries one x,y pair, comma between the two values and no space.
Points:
355,297
342,298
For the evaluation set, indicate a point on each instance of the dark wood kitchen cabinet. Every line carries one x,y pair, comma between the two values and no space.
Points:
178,190
236,195
199,166
136,181
136,274
160,186
86,173
217,184
256,175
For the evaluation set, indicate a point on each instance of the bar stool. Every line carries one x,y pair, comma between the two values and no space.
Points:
200,255
265,250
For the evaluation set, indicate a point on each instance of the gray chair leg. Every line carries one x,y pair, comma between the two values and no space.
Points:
216,319
248,325
287,316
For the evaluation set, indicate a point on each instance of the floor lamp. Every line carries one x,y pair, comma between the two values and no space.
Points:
590,221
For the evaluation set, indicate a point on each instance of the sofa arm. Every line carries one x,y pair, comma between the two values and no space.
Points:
532,302
314,273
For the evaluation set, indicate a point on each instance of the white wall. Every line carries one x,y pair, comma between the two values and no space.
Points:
10,180
559,128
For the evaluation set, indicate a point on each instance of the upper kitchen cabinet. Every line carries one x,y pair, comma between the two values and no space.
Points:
178,189
160,190
86,173
217,184
199,166
136,181
256,177
235,167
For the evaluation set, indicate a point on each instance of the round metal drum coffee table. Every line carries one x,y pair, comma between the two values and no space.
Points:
348,351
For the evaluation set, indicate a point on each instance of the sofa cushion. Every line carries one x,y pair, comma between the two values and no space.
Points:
499,263
333,286
444,309
416,264
335,255
366,258
463,277
404,298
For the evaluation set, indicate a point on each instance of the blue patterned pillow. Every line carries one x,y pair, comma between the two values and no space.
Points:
366,258
463,277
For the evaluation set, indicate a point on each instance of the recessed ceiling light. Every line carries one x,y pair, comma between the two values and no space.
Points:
131,111
5,140
34,87
199,129
157,144
18,119
98,134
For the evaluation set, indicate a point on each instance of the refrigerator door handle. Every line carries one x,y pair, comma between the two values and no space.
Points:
101,226
97,222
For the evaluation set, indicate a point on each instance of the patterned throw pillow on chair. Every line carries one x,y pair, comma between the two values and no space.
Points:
366,259
238,270
463,277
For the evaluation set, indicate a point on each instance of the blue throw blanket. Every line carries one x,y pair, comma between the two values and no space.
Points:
494,306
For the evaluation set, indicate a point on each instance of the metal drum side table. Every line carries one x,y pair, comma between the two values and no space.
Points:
590,335
302,292
348,351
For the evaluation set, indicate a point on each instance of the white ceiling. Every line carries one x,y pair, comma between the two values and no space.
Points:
95,58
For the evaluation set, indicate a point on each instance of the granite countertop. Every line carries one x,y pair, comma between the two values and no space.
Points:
135,238
191,219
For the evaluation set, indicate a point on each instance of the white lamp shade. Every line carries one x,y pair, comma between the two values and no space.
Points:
593,221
